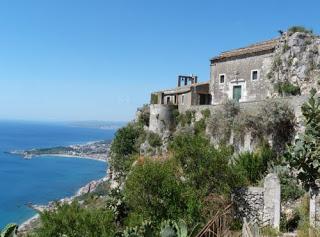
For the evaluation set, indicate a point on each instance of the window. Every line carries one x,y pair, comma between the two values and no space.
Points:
222,78
254,75
182,99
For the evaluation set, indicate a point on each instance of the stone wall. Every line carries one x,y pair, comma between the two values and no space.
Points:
249,203
250,106
161,118
260,205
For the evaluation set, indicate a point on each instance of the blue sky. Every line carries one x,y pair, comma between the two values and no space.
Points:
100,59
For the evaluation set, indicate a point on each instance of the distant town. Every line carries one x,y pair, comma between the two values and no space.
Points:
94,150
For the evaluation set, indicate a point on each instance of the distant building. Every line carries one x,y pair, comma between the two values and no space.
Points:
188,92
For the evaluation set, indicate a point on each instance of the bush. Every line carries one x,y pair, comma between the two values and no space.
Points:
276,120
187,118
125,145
73,221
144,116
200,126
294,29
206,113
287,88
251,166
206,168
290,188
154,99
154,139
154,191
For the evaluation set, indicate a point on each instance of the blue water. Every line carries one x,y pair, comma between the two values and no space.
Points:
44,179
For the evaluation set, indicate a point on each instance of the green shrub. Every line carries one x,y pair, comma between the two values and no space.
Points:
144,116
154,139
303,212
206,113
154,190
154,99
186,119
269,231
124,146
276,120
206,168
254,165
74,221
200,126
290,188
287,88
294,29
251,166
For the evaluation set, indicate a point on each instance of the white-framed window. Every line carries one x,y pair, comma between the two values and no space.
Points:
182,99
222,78
255,75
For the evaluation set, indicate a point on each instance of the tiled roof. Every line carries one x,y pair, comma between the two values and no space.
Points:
251,49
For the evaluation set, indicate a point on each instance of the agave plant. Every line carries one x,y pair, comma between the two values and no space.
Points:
170,228
9,231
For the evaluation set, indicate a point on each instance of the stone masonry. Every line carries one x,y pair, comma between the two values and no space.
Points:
260,205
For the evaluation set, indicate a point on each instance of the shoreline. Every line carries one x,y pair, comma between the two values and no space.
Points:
71,156
33,221
30,223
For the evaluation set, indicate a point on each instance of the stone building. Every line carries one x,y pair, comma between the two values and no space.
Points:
241,74
188,92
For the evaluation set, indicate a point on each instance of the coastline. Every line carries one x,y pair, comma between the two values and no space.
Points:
72,156
33,221
94,150
88,188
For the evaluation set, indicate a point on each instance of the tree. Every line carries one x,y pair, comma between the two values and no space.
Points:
304,154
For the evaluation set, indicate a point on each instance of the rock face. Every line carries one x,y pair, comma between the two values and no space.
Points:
297,61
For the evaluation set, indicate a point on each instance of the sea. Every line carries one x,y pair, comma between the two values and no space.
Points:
42,179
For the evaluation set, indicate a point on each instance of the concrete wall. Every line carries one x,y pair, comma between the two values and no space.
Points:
241,69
